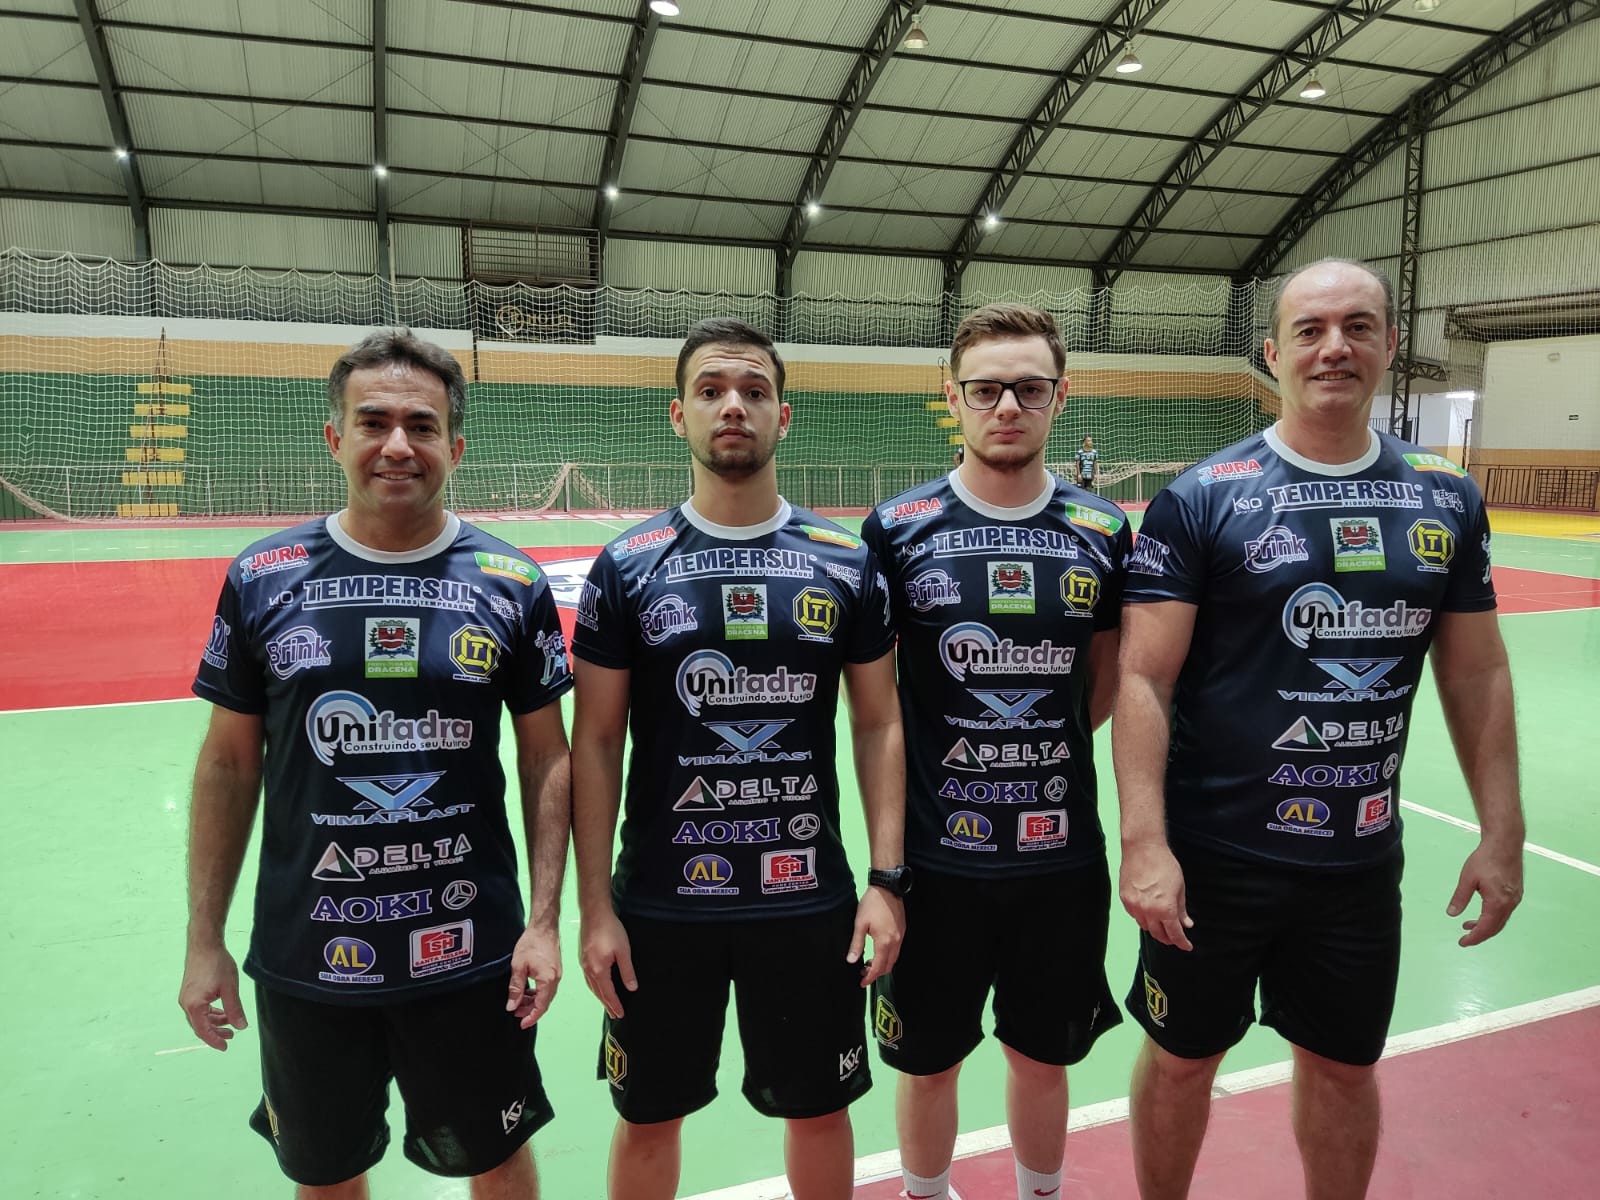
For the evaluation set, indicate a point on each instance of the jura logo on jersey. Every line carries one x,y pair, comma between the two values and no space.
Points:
1346,493
724,833
968,831
270,562
1305,815
1223,472
970,646
1045,830
402,591
910,510
932,589
1276,546
765,562
349,723
709,677
708,875
745,742
298,649
647,540
980,757
1009,710
1352,679
667,617
983,791
1317,610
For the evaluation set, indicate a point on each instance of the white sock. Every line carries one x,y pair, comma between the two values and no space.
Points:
918,1188
1035,1184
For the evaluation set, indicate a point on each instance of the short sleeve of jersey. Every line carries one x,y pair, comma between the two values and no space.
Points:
229,675
872,634
1108,613
601,633
1471,587
541,673
1168,559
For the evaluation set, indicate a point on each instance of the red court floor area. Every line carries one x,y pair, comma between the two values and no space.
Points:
132,630
1502,1116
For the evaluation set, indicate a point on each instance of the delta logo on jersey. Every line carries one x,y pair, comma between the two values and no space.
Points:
744,612
968,831
1374,813
1011,587
1227,472
708,875
338,865
1317,610
1357,544
1304,815
970,646
392,647
788,871
714,796
1314,737
979,758
1045,830
908,511
441,948
349,723
270,562
932,589
709,677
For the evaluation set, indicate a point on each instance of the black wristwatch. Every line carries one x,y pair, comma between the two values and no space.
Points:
896,880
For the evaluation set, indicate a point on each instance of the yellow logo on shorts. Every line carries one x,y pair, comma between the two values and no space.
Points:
1155,1000
886,1023
616,1062
272,1118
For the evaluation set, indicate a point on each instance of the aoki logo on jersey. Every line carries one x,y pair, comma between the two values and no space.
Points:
709,677
965,756
1322,775
299,649
1352,679
982,791
931,589
722,833
1319,611
745,742
1012,710
970,646
359,910
350,723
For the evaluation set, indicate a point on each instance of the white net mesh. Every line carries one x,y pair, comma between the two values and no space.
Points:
157,392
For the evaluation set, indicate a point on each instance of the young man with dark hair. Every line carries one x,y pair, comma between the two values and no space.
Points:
359,664
1282,596
1006,584
716,634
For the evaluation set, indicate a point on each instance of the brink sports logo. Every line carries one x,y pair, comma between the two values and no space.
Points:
1319,611
974,647
349,722
709,677
1278,545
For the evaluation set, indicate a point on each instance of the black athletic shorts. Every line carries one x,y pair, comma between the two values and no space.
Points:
1324,946
1039,941
801,1010
466,1072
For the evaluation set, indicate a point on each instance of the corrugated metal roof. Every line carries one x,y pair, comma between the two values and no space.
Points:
281,18
712,172
82,171
144,58
38,112
503,34
44,50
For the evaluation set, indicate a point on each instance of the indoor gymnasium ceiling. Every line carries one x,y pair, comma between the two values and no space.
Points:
793,124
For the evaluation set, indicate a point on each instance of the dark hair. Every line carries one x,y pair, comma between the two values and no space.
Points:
382,347
994,322
727,331
1383,281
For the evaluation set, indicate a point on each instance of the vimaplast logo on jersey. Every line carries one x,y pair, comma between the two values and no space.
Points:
349,723
1317,610
971,646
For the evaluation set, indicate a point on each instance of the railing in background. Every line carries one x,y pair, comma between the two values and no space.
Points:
1575,489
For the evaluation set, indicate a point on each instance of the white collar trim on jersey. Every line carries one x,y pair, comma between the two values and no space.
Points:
452,528
738,533
1031,509
1322,468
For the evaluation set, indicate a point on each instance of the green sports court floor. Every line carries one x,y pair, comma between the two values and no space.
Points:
105,1092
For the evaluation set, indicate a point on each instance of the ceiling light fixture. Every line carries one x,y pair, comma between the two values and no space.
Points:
612,191
380,170
916,36
1129,64
664,8
991,220
1313,89
120,152
812,208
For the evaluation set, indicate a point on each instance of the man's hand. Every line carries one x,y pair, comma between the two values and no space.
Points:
1152,892
604,945
536,959
210,975
1495,873
882,917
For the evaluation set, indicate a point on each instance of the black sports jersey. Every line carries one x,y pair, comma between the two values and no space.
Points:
1088,464
995,609
735,638
1317,589
387,864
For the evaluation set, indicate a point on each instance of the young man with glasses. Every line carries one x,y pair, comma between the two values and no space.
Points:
716,634
1006,584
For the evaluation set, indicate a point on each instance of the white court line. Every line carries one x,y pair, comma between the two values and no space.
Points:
1459,823
11,712
875,1167
179,1050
